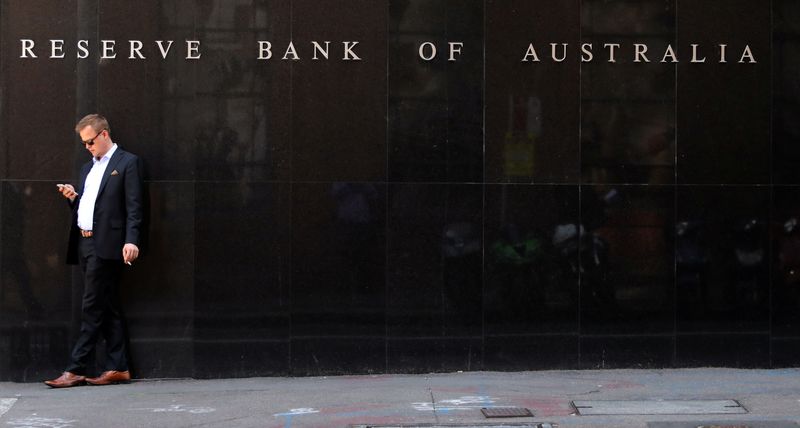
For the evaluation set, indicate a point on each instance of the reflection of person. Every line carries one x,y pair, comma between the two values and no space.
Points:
107,218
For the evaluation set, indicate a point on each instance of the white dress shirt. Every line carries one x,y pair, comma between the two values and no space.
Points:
90,189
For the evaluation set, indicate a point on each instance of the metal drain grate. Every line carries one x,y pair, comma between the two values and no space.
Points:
506,412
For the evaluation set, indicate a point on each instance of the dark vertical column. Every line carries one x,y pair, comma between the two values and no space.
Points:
4,345
532,107
338,290
723,120
242,215
785,93
628,107
87,69
34,299
39,106
129,92
242,248
627,276
4,52
627,137
785,328
435,277
436,106
722,276
531,277
37,152
338,196
339,106
158,292
723,138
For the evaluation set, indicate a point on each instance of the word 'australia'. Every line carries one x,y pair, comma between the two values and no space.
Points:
107,49
641,53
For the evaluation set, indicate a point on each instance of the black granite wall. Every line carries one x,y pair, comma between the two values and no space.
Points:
312,217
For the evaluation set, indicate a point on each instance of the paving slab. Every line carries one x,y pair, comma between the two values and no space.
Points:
658,407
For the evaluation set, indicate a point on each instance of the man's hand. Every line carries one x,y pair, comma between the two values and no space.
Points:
68,191
130,252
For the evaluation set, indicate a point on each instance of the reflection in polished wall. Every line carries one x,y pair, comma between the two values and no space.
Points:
627,108
320,217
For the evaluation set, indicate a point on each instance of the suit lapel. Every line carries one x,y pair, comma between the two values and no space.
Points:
112,163
82,179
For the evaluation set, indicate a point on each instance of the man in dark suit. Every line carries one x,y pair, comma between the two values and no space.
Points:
105,234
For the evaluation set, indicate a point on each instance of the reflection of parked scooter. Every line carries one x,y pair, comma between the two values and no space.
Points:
789,266
516,263
750,264
789,253
585,254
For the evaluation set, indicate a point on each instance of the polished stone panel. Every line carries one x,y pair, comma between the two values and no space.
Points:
628,263
531,352
158,290
723,350
785,262
785,91
339,129
784,352
434,354
434,271
435,128
531,259
628,105
532,108
338,259
241,129
722,259
336,355
413,355
722,108
40,112
35,295
639,351
242,279
137,109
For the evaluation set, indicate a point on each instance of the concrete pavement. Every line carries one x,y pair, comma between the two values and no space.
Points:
769,398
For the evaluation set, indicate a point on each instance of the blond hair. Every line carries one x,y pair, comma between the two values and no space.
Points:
96,121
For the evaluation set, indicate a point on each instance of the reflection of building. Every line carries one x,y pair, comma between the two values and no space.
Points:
400,215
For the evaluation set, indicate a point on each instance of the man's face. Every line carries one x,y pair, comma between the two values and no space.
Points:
102,142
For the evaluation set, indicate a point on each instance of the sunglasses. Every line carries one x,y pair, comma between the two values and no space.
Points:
91,142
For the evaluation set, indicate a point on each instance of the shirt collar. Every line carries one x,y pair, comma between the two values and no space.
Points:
107,155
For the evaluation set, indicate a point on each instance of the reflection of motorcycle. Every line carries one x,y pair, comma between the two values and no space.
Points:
789,253
585,254
516,264
750,256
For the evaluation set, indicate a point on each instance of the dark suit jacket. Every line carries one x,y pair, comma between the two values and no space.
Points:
117,210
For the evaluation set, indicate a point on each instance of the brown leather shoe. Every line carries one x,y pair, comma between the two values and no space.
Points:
110,377
66,380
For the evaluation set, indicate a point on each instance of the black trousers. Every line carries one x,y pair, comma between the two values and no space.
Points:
102,313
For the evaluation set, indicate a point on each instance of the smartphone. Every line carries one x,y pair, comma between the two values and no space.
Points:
61,187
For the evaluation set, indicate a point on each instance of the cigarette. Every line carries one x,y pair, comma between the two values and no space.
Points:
128,263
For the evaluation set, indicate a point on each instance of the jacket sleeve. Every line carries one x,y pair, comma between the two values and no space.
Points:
133,200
